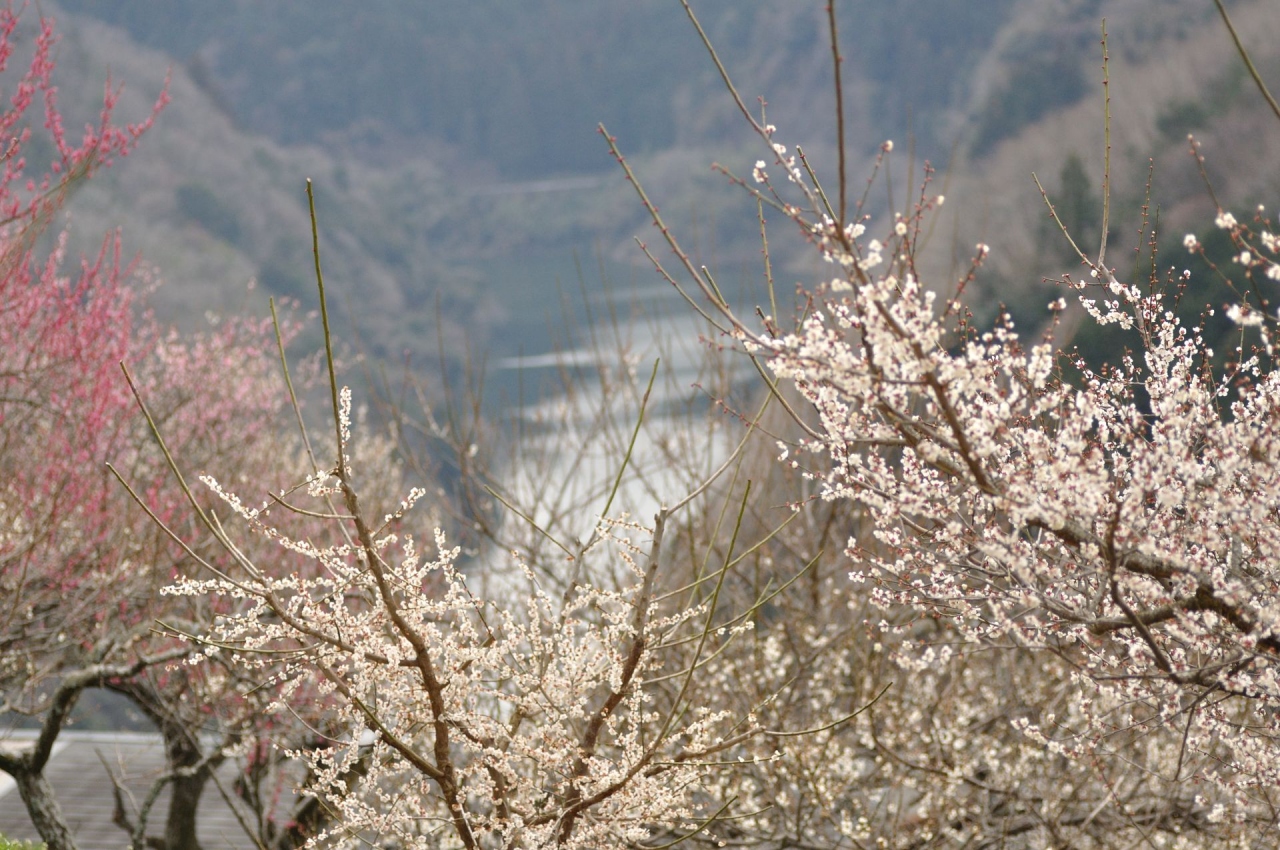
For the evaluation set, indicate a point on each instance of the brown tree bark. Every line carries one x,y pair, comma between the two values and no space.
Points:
42,807
27,767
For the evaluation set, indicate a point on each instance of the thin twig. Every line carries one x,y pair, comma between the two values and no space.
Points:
1106,156
328,339
631,446
841,158
1248,63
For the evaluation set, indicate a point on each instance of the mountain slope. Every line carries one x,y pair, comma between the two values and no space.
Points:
456,163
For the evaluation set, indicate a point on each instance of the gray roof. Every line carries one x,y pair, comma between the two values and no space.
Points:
83,787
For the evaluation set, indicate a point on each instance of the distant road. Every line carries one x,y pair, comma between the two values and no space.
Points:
536,187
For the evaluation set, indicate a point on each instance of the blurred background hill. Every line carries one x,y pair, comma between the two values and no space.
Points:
461,183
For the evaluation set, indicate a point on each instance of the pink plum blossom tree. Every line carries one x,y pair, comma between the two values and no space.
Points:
81,565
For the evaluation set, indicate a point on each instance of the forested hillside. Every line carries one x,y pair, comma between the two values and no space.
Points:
521,86
458,166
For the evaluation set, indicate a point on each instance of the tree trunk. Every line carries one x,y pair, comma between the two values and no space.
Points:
42,806
184,761
27,768
184,804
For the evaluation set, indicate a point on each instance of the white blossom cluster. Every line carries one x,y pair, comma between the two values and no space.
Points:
553,719
1123,520
1054,622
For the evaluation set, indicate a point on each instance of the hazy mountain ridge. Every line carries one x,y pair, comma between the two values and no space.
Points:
522,86
475,214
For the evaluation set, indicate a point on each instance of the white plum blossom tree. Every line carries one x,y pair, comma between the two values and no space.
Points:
587,713
1018,598
1111,529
